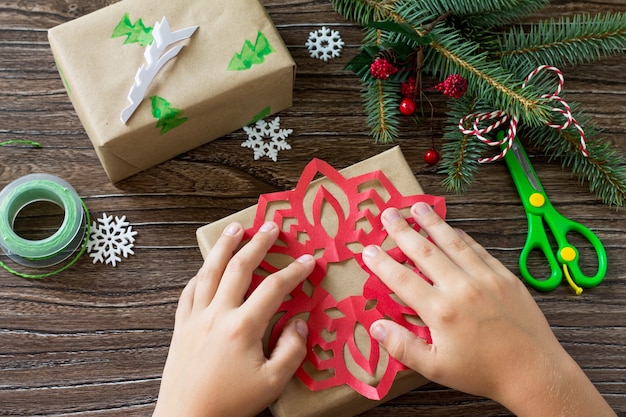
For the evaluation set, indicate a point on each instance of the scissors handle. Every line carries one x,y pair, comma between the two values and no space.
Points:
566,260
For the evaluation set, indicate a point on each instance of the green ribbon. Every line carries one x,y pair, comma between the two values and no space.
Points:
72,235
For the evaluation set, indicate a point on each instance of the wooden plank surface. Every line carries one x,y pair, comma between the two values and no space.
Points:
92,341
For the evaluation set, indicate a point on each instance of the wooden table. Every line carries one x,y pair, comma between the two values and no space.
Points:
93,340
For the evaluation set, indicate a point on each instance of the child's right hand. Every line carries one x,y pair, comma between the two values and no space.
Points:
489,337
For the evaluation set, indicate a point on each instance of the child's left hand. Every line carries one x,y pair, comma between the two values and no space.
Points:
216,365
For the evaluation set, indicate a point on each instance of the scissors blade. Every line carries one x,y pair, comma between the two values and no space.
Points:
524,163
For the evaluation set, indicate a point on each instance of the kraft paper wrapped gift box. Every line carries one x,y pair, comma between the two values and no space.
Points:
341,280
232,70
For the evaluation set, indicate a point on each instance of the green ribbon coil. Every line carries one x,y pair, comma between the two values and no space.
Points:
71,236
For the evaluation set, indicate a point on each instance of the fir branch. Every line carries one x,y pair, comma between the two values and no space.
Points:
568,41
486,78
362,12
606,175
482,27
604,169
381,104
459,162
488,19
460,152
380,97
486,13
463,57
450,52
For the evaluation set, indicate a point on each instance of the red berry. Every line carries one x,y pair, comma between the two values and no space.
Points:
407,106
454,86
431,157
409,87
382,69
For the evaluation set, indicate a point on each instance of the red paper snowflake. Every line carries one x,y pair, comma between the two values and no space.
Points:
356,203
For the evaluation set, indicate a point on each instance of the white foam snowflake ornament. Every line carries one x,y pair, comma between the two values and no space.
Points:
324,44
111,238
267,139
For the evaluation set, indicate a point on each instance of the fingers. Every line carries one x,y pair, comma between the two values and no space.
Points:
450,243
451,257
288,354
487,258
263,303
402,344
473,262
401,280
209,276
224,279
238,273
185,301
430,259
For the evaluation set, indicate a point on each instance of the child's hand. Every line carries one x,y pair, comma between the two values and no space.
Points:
216,365
489,337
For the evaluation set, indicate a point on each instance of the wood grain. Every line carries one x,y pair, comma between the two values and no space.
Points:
92,341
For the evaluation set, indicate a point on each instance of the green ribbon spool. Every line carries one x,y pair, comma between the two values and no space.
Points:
54,249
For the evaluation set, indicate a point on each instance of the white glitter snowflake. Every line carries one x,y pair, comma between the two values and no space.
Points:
267,139
109,239
324,44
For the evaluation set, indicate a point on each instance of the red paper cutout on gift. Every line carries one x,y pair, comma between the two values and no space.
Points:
337,319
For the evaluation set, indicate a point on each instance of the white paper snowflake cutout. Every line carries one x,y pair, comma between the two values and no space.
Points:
267,139
109,239
324,44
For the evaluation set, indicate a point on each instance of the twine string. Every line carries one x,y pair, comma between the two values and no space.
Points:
501,117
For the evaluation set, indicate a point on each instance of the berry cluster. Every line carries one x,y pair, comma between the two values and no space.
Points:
382,69
408,90
409,87
454,86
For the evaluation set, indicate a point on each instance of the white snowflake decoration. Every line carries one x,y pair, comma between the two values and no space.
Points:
267,139
156,55
109,239
324,44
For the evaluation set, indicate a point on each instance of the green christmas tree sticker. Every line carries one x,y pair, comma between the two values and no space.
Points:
261,115
136,32
251,54
66,83
168,117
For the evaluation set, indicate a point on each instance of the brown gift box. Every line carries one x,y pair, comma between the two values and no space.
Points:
99,70
342,401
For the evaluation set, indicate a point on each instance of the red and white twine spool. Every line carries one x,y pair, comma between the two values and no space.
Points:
502,117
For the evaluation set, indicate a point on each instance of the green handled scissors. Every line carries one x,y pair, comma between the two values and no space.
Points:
540,211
